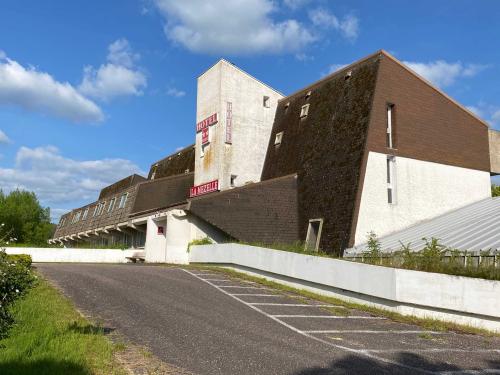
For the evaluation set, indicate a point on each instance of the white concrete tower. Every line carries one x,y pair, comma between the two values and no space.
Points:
234,118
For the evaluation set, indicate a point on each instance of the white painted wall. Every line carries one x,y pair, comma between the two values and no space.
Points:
423,190
68,255
251,126
452,298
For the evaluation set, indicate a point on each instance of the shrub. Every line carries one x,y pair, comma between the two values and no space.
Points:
16,277
202,241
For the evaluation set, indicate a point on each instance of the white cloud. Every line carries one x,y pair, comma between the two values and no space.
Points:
495,117
489,113
333,68
37,91
118,77
4,138
348,26
443,73
57,180
233,27
176,93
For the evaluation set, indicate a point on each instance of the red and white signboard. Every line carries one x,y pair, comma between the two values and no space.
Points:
205,188
210,120
229,122
205,136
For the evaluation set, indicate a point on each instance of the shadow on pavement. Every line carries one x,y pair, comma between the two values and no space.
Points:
358,364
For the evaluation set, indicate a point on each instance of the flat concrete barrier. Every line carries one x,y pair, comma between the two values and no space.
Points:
68,255
458,299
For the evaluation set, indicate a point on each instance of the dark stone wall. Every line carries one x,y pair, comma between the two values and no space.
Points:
120,185
326,149
174,164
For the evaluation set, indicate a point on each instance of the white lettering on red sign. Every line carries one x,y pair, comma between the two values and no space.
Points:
202,189
205,136
229,122
206,122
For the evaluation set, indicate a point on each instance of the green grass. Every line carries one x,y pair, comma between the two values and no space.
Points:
51,337
426,323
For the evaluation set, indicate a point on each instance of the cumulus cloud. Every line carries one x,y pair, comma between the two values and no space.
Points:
118,77
443,73
4,138
243,27
348,26
58,180
333,68
295,4
37,91
490,113
176,93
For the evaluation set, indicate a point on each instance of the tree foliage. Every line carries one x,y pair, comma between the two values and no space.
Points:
24,217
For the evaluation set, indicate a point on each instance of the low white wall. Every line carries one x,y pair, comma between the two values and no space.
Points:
68,255
462,300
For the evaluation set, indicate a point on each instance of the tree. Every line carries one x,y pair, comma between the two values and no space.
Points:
495,190
25,218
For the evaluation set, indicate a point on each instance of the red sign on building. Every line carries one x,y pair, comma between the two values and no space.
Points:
206,122
205,136
205,188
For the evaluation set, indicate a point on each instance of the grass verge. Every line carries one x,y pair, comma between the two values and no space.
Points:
51,337
426,323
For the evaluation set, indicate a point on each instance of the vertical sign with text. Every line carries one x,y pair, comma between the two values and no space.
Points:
229,122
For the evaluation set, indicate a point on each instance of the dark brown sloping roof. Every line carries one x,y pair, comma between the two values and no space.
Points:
163,192
175,164
118,186
264,212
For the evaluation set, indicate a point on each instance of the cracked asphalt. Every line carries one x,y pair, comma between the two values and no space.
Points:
206,322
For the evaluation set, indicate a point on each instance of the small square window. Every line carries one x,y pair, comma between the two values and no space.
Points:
314,234
278,138
267,102
304,111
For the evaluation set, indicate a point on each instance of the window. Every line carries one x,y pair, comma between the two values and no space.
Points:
95,210
85,213
111,204
390,141
153,173
61,222
76,217
304,111
266,102
391,180
314,234
123,200
100,208
279,137
233,178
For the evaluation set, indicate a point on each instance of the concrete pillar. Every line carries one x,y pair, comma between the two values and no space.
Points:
156,244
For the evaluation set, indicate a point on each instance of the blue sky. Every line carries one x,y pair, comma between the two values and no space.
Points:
92,91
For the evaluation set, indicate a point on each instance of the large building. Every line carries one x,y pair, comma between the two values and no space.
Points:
372,147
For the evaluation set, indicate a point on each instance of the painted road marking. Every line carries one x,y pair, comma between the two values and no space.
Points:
243,287
318,339
291,304
250,294
371,331
435,350
328,317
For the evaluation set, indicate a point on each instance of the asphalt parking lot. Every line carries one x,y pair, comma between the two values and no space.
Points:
207,322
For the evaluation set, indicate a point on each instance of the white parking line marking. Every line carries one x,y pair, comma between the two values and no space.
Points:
470,372
291,304
325,342
371,331
243,287
435,350
328,317
251,294
217,280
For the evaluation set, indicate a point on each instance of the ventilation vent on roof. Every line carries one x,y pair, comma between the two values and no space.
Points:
304,111
287,105
348,75
279,137
308,94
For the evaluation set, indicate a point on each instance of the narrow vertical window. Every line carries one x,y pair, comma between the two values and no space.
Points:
233,180
391,180
266,102
390,126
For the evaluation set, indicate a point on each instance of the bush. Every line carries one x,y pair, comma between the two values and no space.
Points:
16,277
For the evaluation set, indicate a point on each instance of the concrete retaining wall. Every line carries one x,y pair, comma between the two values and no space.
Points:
67,255
458,299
